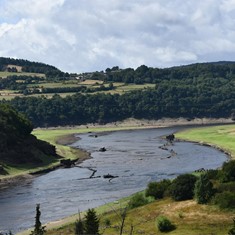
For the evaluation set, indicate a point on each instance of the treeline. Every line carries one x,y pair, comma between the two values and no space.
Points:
32,67
144,74
208,97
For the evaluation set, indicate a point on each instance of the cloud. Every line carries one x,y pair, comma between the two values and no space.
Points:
85,35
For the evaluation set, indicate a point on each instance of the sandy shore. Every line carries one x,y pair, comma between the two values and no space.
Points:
144,123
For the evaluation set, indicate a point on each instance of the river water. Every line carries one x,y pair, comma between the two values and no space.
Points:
136,157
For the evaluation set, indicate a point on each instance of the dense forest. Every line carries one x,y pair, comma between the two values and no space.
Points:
192,91
144,74
17,145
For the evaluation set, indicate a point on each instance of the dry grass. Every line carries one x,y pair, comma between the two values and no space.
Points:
189,217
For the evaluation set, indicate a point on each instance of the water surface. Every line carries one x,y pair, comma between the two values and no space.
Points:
134,156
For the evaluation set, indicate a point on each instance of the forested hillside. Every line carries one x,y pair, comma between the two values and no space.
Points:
17,145
193,91
20,65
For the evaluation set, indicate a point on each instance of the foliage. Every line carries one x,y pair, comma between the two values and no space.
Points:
228,171
17,145
182,188
225,200
201,90
232,230
212,174
38,228
137,200
91,223
203,189
157,189
164,224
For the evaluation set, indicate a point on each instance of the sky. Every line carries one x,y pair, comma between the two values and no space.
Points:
92,35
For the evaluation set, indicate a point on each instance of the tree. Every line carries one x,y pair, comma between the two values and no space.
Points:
203,189
91,223
79,227
228,171
38,228
182,188
137,200
157,189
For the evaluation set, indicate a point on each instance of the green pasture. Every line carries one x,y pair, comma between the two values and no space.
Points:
6,74
54,84
219,136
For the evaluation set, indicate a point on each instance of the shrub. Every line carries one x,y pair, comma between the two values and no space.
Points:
137,200
232,230
157,189
212,174
228,171
182,188
203,189
229,186
164,224
225,200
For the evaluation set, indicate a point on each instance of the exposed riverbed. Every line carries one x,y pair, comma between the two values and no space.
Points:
136,157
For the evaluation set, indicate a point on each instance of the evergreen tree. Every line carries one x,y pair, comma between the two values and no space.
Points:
203,189
38,228
79,228
91,223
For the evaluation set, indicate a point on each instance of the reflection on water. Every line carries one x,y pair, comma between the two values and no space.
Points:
133,156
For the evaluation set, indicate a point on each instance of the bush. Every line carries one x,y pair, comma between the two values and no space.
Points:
230,186
157,189
164,224
137,200
225,200
212,174
232,230
228,171
182,188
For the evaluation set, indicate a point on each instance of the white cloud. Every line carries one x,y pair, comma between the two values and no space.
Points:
88,35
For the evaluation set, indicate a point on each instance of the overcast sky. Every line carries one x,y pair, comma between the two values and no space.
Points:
92,35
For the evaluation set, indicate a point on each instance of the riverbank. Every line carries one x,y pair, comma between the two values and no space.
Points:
61,137
221,137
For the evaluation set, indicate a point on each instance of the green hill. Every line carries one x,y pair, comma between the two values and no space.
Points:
18,146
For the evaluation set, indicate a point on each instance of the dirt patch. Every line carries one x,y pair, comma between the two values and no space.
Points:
67,139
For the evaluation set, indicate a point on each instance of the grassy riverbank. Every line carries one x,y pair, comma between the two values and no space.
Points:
222,137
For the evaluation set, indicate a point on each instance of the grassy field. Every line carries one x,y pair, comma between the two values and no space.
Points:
5,74
219,136
119,88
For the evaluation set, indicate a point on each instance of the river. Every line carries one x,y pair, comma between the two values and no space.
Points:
136,157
